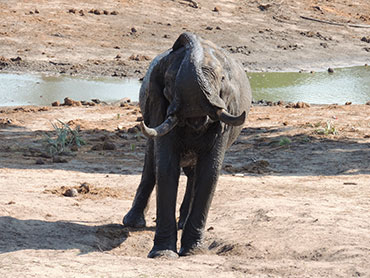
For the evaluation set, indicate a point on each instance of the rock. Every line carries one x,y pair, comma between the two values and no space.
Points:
365,39
209,28
114,13
133,30
70,102
55,103
39,162
139,57
368,103
58,159
264,7
84,188
330,70
348,103
97,147
71,192
109,146
72,11
301,104
134,130
105,12
216,9
17,59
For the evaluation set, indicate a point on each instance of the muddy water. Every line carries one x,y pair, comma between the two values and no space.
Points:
347,84
28,89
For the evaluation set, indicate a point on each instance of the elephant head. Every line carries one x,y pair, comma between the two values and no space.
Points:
190,82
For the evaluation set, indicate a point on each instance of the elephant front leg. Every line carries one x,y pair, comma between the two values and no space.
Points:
167,173
207,172
136,215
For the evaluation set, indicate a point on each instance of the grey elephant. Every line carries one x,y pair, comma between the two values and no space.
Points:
194,99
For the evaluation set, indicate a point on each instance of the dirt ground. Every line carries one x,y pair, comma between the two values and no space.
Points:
293,200
294,196
120,37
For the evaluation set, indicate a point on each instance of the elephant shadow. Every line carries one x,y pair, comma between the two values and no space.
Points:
16,234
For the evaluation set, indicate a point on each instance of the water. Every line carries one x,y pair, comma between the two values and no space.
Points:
29,89
347,84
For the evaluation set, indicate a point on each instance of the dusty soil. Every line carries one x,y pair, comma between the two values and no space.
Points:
293,198
120,37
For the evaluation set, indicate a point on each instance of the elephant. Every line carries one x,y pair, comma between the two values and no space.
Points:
194,99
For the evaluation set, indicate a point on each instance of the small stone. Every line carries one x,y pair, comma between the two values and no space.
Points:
84,188
71,192
133,130
330,70
368,103
55,103
17,59
58,159
301,104
40,161
114,13
109,146
133,30
365,39
216,9
97,147
70,102
348,103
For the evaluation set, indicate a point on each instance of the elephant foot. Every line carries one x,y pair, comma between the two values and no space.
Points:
134,219
193,249
168,254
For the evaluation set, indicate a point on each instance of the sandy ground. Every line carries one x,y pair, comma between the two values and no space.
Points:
293,198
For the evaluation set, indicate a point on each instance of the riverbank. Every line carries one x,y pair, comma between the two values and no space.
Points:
119,38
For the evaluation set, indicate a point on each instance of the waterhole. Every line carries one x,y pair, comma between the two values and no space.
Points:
344,85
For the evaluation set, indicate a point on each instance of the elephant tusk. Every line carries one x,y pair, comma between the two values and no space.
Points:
229,119
160,130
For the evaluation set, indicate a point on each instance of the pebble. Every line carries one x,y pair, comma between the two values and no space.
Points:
71,192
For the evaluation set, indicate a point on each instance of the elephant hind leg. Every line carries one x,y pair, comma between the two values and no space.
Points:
136,215
186,202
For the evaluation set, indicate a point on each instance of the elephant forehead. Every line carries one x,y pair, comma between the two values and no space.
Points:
211,60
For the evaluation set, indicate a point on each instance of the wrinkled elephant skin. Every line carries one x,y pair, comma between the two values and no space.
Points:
194,99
